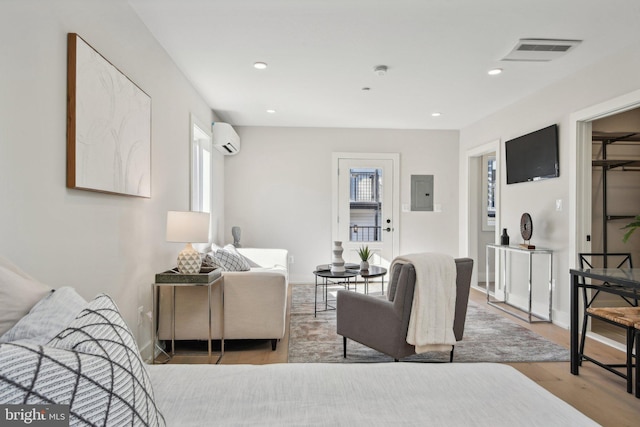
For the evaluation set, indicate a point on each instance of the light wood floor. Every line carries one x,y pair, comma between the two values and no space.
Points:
597,393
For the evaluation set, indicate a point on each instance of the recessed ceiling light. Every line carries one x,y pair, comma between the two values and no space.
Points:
271,111
495,71
260,65
436,114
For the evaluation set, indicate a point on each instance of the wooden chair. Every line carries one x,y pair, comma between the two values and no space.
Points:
622,317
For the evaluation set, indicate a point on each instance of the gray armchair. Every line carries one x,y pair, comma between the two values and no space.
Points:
382,323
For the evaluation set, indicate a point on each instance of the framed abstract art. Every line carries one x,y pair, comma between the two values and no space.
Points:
108,126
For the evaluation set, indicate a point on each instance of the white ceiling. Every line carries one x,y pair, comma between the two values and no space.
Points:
321,53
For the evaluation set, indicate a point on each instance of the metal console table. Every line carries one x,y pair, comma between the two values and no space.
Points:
174,279
504,256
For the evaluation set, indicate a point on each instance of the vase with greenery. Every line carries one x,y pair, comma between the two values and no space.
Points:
365,255
631,227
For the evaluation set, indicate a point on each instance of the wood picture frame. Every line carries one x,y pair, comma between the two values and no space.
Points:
108,126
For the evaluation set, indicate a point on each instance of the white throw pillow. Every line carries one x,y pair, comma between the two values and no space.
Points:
230,248
47,318
19,292
231,260
94,366
11,266
98,390
209,260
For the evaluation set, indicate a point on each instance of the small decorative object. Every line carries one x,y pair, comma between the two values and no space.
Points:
526,230
365,255
504,239
235,232
188,227
337,264
631,227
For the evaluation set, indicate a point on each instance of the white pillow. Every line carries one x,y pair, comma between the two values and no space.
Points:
230,259
229,247
99,391
232,249
209,260
19,292
93,366
47,318
11,266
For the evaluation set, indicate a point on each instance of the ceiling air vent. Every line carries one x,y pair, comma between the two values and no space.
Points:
538,50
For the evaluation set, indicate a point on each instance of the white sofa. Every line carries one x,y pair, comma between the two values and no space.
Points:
255,302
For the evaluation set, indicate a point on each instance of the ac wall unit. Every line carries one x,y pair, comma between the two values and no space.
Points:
225,138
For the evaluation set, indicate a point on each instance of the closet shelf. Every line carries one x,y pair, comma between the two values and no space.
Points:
611,137
616,163
615,217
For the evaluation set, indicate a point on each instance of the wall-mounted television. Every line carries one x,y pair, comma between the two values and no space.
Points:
533,156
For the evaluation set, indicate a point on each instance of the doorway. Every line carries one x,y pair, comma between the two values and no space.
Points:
366,205
588,229
615,198
483,208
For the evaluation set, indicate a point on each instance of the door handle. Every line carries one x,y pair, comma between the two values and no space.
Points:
388,229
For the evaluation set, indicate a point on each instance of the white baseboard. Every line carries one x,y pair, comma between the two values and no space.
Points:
561,318
482,277
607,341
145,351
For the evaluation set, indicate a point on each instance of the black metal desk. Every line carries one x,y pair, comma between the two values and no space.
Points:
626,277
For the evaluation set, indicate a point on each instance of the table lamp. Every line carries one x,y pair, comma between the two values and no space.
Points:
188,227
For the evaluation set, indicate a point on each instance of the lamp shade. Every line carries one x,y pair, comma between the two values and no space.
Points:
187,227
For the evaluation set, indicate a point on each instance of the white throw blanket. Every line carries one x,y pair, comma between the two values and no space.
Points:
434,301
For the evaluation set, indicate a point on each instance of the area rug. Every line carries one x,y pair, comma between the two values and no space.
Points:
488,337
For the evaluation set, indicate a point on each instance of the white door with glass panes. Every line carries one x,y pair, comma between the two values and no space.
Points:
365,206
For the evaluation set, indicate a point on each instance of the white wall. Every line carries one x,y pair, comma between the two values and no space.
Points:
605,80
278,189
93,242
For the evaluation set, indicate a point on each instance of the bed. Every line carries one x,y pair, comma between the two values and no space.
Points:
373,394
57,348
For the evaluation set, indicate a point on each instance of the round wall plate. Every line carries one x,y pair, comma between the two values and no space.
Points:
526,226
